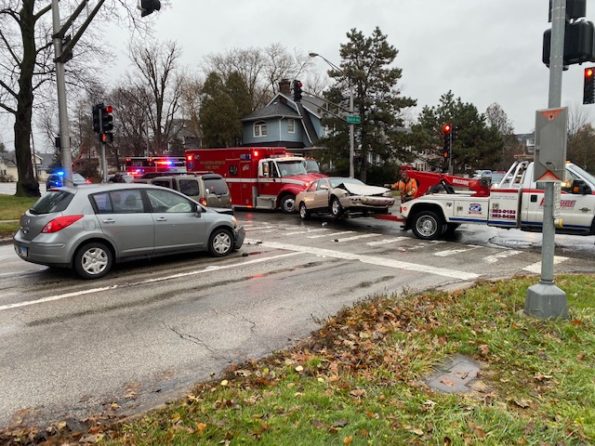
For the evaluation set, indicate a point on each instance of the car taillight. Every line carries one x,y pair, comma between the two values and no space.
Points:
59,223
87,181
203,201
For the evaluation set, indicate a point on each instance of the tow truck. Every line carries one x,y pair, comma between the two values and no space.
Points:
516,202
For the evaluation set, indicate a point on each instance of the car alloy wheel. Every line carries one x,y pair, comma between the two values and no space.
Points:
220,243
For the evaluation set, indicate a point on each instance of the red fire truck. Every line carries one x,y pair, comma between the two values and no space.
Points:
258,177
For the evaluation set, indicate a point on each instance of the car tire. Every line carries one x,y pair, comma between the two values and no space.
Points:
336,208
221,242
427,225
304,212
287,204
93,260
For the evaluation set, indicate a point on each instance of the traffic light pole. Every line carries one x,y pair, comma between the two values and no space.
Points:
103,163
62,106
351,137
545,300
450,167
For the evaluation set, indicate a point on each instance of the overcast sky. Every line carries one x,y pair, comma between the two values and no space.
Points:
485,51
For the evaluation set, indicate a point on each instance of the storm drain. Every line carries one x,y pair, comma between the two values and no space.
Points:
455,375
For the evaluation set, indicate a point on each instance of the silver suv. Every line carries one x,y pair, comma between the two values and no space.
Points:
88,228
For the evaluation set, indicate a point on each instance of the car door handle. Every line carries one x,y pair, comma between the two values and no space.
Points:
161,219
584,209
109,220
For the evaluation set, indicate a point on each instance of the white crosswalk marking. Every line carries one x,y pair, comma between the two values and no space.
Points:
386,241
373,260
536,267
331,234
357,237
501,255
448,252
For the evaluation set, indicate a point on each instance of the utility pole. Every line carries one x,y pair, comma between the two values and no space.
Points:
62,106
351,136
545,300
351,111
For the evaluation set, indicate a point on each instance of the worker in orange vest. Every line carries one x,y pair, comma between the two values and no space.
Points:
406,186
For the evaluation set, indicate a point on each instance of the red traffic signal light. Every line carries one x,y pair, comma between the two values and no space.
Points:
589,86
446,128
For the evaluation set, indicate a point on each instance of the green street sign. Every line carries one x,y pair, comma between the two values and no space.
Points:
353,119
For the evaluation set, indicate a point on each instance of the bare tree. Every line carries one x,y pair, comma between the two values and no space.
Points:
261,69
578,118
27,66
159,84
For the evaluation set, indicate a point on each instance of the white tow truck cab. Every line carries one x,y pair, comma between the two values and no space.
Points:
516,202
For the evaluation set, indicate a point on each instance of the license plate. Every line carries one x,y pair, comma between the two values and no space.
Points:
23,251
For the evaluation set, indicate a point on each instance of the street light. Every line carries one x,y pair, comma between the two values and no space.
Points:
351,126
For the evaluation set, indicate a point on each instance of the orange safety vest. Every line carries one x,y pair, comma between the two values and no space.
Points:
408,190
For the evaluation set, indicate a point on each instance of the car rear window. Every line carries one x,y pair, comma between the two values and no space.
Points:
189,187
216,186
52,201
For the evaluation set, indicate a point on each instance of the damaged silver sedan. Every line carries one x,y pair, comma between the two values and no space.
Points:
339,196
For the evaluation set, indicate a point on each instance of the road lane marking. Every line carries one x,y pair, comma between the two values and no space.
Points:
448,252
357,237
208,269
501,255
536,267
386,241
331,234
372,260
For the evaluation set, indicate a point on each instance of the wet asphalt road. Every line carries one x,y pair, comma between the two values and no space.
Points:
150,329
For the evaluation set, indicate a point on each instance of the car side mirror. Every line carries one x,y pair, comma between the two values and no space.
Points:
580,187
197,210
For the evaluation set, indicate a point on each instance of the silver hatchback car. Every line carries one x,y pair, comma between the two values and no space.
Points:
88,228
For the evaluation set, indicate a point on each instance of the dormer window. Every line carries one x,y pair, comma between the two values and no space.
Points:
260,128
291,126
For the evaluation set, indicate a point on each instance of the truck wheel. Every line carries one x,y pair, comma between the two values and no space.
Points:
93,260
336,208
427,225
287,204
304,212
220,242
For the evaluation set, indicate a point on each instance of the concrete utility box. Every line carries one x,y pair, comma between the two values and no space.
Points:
551,128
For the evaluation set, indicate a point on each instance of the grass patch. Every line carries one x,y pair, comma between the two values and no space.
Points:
11,208
359,379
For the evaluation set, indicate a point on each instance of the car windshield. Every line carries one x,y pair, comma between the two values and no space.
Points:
336,181
288,168
312,166
52,201
590,178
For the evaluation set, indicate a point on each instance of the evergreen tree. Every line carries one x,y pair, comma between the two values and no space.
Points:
366,69
224,103
477,145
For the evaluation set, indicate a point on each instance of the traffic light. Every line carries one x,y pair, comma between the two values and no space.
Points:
589,86
97,117
297,90
107,120
148,7
447,134
106,138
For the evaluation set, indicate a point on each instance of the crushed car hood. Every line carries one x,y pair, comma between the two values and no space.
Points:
363,189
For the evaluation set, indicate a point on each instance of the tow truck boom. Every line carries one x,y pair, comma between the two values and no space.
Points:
431,181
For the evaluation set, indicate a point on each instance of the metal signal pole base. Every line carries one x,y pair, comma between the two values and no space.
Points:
546,301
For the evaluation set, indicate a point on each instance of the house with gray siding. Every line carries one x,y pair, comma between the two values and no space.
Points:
284,122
